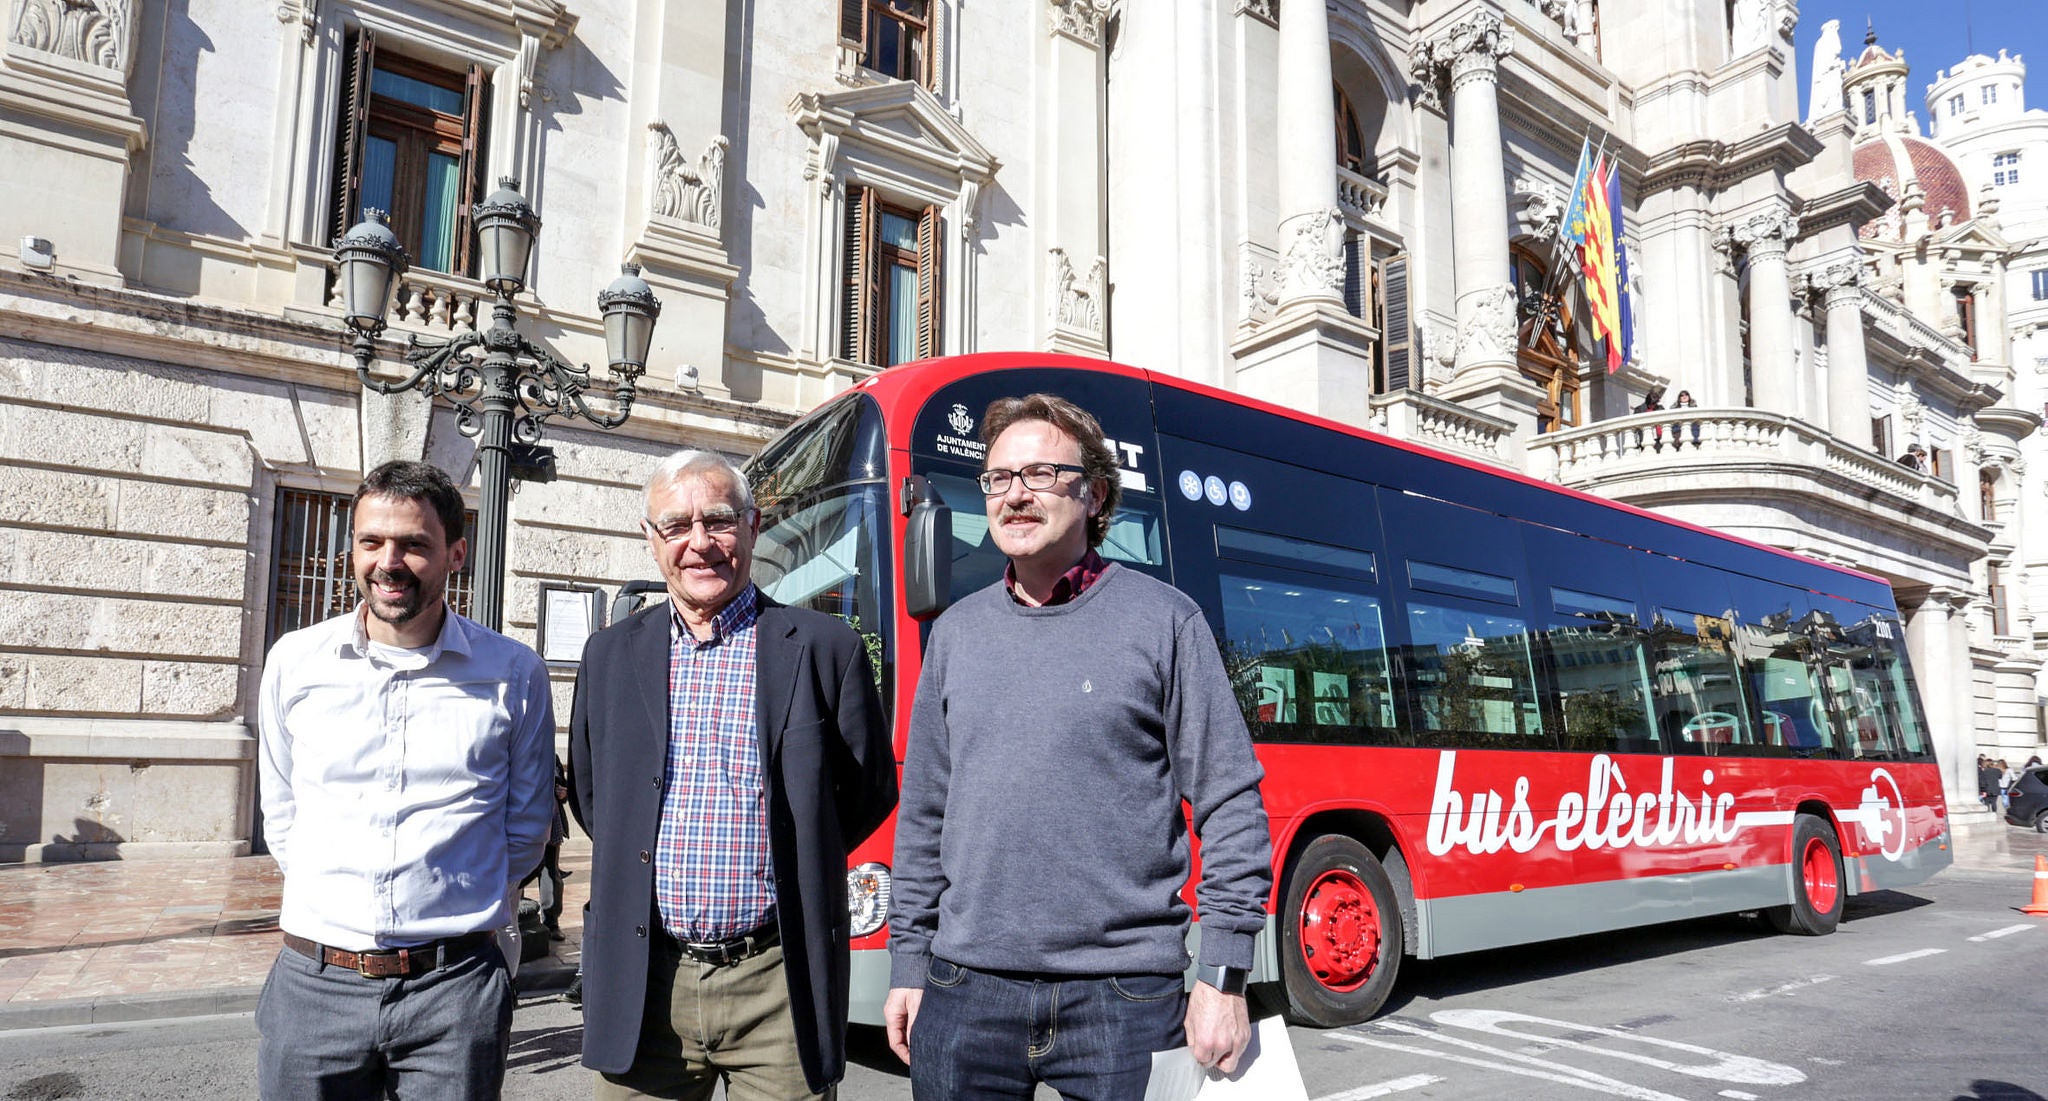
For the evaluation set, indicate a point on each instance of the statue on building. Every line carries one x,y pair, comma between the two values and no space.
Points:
1750,28
1825,94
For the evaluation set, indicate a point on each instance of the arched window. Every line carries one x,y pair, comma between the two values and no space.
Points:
1351,151
1548,341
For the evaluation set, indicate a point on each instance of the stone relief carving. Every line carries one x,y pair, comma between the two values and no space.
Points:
1912,411
1542,206
1080,20
1470,47
97,32
1751,26
1314,262
680,190
1489,332
305,13
1258,288
1972,443
1076,303
1268,10
1439,349
824,150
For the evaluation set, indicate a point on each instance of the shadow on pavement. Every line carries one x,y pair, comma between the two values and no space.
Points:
1984,1089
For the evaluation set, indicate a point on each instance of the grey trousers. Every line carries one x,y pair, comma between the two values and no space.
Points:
329,1033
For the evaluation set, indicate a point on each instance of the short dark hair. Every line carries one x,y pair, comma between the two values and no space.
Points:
1097,460
410,481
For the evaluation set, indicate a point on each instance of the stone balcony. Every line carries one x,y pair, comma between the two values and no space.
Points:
1413,415
1774,479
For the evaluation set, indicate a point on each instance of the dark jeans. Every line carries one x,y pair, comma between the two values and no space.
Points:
329,1033
993,1035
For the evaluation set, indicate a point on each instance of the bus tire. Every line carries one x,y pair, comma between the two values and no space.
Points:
1817,887
1341,938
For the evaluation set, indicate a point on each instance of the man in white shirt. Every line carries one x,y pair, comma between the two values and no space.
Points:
407,766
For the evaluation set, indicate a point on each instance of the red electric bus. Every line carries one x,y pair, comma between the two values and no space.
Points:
1491,711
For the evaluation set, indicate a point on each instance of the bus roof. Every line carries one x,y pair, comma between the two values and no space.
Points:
915,383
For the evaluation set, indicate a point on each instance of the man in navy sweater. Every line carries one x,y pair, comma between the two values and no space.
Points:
1064,715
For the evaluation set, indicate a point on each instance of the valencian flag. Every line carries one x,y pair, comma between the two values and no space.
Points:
1599,264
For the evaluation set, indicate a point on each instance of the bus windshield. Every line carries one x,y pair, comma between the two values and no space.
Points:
823,494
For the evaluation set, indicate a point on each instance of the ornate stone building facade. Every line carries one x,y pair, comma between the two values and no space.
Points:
1342,207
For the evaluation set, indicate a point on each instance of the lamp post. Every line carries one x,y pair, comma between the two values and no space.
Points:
503,386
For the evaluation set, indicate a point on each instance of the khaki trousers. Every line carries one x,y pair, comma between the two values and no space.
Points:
705,1024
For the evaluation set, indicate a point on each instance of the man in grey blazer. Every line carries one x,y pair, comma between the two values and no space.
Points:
725,753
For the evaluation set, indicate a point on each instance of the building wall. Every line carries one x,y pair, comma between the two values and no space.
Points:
181,361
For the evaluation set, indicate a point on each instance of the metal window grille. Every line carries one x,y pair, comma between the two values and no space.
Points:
313,578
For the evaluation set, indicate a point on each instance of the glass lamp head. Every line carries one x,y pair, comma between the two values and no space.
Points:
366,261
629,309
505,228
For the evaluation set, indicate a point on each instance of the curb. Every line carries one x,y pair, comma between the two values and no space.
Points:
541,977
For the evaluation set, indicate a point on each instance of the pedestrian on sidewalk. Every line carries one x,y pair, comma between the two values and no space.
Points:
715,943
405,757
1065,715
1989,781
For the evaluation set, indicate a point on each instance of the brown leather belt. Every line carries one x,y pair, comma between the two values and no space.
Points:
391,963
719,953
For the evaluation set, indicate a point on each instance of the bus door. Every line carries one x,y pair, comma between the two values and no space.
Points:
946,448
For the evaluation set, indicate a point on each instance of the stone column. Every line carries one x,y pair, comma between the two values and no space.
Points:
1470,51
1841,285
1765,236
1070,171
1311,227
1929,645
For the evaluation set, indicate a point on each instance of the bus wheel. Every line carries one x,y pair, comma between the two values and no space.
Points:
1340,934
1816,881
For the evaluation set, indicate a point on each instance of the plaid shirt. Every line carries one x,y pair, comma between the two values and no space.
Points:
1069,585
712,875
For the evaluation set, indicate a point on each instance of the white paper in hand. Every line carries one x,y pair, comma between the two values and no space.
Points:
1265,1072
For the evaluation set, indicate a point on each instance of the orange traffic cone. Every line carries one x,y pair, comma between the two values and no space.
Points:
2039,907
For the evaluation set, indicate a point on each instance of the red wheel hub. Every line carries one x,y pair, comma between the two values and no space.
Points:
1340,930
1823,882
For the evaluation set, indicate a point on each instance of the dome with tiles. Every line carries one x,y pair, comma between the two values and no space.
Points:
1892,158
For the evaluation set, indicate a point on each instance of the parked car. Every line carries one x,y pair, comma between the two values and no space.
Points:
2028,805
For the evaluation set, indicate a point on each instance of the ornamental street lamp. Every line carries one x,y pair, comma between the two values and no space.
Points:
503,386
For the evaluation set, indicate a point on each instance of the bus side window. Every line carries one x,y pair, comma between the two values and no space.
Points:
1472,679
1700,703
1602,674
1309,662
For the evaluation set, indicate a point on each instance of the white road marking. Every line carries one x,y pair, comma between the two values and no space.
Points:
1738,1095
1796,984
1382,1089
1563,1075
1724,1066
2005,932
1904,956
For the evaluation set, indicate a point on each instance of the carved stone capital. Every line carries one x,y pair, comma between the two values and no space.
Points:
1841,284
304,13
1463,53
96,32
1765,234
1075,302
1080,20
1265,11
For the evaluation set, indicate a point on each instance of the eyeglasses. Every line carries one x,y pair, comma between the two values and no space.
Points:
718,524
995,483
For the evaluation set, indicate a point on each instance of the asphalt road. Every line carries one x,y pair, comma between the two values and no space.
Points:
1932,993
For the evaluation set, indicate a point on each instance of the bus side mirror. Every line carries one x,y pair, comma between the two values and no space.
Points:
927,549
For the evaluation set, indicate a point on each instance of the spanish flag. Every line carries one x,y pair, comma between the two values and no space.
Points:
1599,263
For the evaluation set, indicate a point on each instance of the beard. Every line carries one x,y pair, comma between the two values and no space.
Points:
406,606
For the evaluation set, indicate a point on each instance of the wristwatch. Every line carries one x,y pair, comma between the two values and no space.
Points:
1229,980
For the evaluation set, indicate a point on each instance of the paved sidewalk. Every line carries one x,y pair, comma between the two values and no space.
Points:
135,940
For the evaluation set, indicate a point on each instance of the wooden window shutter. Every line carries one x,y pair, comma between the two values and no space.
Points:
929,282
853,23
1358,275
476,114
858,332
353,121
1395,332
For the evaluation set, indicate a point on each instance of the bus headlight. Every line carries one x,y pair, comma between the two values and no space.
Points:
867,898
